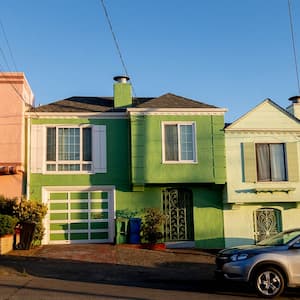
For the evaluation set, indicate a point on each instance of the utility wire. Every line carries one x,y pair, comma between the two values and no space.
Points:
7,64
8,46
116,43
294,46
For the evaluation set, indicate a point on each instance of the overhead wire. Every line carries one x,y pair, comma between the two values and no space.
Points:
8,46
294,44
8,66
116,43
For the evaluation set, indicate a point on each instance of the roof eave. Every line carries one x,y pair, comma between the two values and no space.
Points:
34,114
178,110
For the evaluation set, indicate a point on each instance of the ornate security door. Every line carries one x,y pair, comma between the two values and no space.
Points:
267,222
178,208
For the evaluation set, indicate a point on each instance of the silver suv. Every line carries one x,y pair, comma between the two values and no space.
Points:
270,265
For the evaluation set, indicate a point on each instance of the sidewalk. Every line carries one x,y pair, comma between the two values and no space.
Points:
102,262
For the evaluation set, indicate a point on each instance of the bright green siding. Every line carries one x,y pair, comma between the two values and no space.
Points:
204,178
208,215
147,166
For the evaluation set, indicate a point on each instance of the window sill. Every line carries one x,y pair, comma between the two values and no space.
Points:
274,190
179,162
69,173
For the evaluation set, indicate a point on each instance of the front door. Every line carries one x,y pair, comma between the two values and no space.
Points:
178,208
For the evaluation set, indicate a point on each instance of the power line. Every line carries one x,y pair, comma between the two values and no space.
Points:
8,46
116,43
294,47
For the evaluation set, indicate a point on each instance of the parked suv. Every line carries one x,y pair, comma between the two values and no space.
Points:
270,265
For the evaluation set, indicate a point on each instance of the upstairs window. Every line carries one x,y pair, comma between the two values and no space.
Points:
179,142
69,149
271,162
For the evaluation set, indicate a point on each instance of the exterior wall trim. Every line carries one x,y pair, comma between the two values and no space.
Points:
56,115
261,131
176,112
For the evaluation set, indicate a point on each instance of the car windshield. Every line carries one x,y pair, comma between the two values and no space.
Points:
281,238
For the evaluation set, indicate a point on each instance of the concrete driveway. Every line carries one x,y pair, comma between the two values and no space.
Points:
102,262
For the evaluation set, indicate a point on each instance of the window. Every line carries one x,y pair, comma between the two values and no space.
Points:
267,222
179,142
271,165
69,149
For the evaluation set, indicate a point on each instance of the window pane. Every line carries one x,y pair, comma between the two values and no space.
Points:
87,144
51,144
277,161
263,162
69,167
186,142
171,143
69,144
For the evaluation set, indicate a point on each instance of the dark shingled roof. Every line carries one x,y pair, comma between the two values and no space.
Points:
106,104
173,101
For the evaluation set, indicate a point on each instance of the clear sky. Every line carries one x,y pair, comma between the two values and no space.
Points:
228,53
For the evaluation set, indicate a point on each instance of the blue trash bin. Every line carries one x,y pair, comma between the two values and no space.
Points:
134,229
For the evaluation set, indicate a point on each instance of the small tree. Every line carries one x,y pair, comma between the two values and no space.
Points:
151,229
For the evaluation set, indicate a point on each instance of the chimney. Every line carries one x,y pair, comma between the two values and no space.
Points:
294,108
122,92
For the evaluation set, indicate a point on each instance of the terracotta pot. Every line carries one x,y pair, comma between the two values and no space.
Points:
158,246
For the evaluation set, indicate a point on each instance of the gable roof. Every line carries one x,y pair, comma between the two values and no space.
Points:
106,104
267,115
172,101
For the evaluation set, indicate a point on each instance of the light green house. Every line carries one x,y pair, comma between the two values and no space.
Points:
97,161
263,188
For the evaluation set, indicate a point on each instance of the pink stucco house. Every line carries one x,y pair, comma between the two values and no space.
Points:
15,98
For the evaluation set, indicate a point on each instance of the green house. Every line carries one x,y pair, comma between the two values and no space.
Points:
97,162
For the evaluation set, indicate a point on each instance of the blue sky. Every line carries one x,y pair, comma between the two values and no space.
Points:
229,53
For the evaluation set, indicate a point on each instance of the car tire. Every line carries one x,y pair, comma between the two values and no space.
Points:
269,282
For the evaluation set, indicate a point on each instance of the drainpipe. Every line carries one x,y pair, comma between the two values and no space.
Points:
28,157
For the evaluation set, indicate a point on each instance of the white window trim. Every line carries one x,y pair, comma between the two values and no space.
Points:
58,162
179,161
38,149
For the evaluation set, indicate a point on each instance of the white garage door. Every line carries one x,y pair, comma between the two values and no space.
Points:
80,216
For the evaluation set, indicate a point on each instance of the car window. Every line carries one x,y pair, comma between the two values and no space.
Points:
281,238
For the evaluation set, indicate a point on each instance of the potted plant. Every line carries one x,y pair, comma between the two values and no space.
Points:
7,229
151,229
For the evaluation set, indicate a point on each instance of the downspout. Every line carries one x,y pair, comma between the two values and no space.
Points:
28,157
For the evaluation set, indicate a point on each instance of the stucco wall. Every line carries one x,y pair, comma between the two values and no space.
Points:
14,93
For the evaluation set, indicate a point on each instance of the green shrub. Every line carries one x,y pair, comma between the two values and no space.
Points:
32,212
7,205
151,229
7,224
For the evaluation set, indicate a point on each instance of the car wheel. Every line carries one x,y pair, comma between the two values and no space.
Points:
269,282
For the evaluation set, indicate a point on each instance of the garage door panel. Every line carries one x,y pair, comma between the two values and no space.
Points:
76,216
78,226
59,206
59,226
59,196
99,235
99,225
80,205
58,236
58,216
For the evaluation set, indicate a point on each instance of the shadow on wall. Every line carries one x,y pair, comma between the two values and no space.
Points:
237,241
216,243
